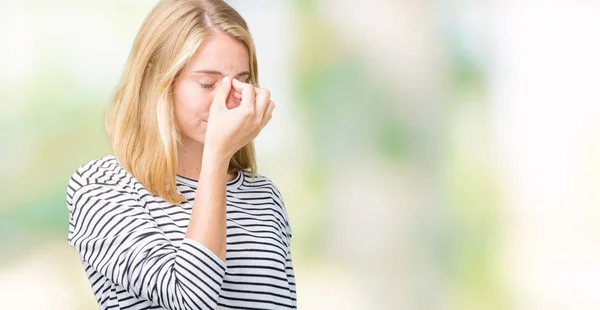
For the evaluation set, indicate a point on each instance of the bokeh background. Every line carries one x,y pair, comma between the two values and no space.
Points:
431,154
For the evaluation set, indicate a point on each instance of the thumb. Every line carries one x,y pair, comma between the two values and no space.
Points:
222,92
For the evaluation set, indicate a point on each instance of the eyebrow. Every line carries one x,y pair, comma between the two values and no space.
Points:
220,73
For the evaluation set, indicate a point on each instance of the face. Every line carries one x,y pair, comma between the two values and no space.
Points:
218,56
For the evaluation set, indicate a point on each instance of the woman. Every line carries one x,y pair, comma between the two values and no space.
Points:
174,219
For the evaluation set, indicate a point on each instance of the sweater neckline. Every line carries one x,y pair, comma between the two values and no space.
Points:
233,184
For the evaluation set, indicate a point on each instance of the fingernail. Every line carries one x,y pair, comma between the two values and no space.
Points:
226,79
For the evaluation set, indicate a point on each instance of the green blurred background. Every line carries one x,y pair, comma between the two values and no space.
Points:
431,154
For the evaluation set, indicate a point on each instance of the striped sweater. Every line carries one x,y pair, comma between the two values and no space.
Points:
134,251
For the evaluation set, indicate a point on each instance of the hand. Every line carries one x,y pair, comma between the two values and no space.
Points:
228,130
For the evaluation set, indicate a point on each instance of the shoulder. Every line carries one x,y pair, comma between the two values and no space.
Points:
104,172
263,184
260,182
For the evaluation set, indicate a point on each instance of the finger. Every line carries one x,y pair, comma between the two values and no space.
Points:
236,95
222,92
234,99
268,114
248,93
263,97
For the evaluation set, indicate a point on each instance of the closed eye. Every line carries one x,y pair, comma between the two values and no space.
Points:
207,86
247,81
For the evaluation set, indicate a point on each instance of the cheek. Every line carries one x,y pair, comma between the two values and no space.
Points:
192,104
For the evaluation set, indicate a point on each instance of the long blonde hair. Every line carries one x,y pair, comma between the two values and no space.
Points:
140,122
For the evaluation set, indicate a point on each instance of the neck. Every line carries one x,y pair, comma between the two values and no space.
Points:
189,161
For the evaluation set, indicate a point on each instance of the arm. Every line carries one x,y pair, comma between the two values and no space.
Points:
208,221
117,237
226,133
289,270
289,267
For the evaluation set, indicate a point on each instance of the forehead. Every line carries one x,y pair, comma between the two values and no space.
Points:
222,53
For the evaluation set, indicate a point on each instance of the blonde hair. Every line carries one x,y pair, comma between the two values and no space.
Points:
140,122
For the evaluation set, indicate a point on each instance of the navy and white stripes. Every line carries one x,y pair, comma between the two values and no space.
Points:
133,246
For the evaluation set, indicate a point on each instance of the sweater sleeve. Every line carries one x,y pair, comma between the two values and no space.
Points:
289,270
289,266
115,235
